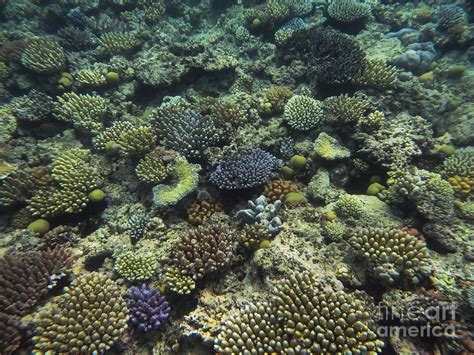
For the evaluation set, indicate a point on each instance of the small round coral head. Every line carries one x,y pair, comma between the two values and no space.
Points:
40,226
97,195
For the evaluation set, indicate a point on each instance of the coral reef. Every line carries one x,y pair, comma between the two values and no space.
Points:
43,55
303,112
136,266
262,212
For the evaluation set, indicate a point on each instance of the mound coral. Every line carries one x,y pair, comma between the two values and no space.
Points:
136,266
85,111
394,254
148,308
303,113
89,318
330,56
243,171
301,317
329,148
43,55
73,180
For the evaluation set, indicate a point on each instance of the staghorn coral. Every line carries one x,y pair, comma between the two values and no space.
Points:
348,10
303,112
85,111
200,211
278,189
112,42
148,308
15,189
205,250
89,318
185,179
344,108
278,96
73,180
378,75
136,266
301,317
331,57
43,55
262,212
243,171
33,107
393,253
184,130
26,278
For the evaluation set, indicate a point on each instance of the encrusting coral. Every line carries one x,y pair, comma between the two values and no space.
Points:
88,318
301,316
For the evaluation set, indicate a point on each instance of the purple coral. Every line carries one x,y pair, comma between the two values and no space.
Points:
244,171
148,308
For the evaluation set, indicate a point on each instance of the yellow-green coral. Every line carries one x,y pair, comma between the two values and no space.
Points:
378,75
151,169
87,77
179,281
349,205
126,138
136,266
85,111
88,319
73,180
111,42
329,148
186,180
43,55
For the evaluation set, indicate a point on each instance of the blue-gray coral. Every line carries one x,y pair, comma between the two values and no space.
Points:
264,213
244,171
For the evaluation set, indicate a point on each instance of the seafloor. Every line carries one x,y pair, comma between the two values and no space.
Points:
247,176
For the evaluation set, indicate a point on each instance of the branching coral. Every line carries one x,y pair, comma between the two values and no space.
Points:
152,169
126,138
301,317
393,253
148,308
330,56
111,42
378,75
184,130
349,205
89,318
200,211
136,266
450,16
203,251
278,189
9,334
243,171
15,189
348,10
344,108
73,180
33,107
262,212
303,113
90,78
43,55
85,111
278,96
